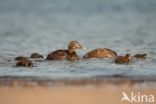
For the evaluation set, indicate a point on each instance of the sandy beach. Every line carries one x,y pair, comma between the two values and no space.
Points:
73,92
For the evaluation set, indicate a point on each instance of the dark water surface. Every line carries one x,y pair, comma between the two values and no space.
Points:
42,26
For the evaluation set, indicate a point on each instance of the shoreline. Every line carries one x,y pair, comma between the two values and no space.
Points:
30,90
103,94
38,81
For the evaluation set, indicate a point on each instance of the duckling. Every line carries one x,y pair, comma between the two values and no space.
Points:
36,55
24,63
69,54
20,58
100,53
141,56
123,59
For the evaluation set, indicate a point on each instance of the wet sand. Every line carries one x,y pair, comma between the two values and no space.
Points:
86,91
66,95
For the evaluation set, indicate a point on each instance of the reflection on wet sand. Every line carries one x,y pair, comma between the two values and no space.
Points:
93,91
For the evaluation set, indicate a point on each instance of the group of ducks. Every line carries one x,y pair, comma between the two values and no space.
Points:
70,54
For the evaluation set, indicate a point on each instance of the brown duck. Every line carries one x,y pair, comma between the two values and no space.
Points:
36,55
69,54
141,56
100,53
20,58
123,59
24,62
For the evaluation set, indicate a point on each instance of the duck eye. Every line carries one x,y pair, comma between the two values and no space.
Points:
74,44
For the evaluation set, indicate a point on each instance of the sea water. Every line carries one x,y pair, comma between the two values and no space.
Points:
28,26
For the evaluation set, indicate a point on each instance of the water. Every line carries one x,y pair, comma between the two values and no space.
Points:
42,26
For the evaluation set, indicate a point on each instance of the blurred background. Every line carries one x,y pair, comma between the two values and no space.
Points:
28,26
42,25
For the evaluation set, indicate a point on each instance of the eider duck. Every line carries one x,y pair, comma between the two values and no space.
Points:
123,59
36,55
69,54
20,58
24,62
100,53
141,56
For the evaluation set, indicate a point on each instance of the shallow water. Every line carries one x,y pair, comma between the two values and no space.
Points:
42,26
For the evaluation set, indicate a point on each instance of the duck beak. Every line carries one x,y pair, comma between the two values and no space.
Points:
81,47
84,48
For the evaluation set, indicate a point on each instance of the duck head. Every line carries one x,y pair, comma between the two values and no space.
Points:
73,45
144,55
128,56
